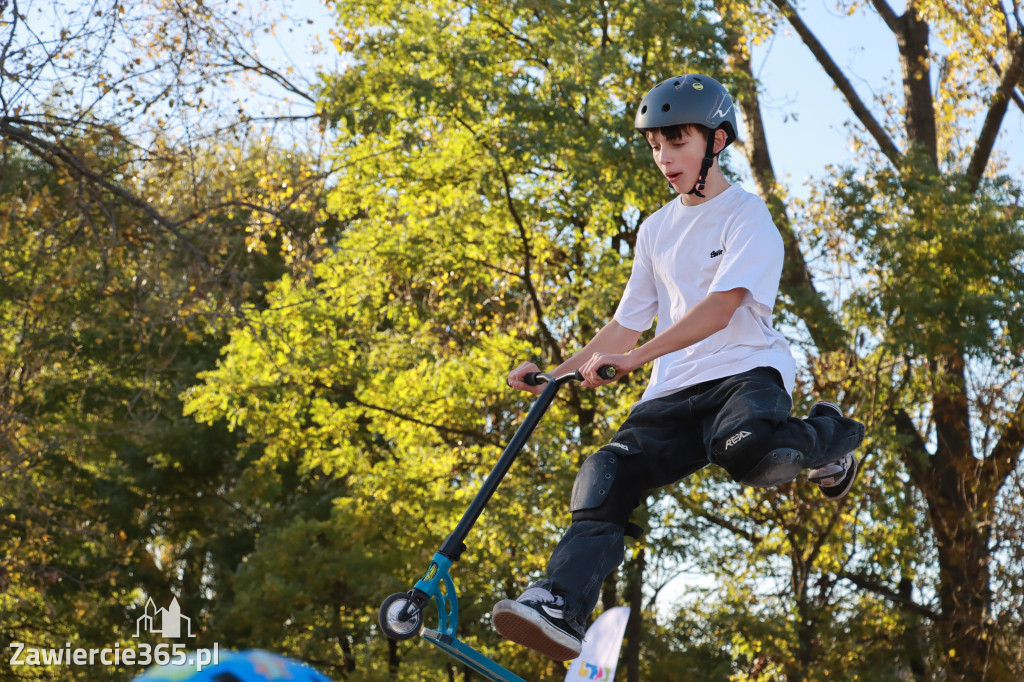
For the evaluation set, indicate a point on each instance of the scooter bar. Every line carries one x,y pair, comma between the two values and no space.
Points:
606,372
453,545
401,615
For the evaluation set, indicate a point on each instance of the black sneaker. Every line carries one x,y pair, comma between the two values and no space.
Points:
536,620
835,479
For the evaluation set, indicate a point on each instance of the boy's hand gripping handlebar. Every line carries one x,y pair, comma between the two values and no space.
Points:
606,372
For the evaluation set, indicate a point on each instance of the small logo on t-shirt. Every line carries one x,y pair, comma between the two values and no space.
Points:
717,253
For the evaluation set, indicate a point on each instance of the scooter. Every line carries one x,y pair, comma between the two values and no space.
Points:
401,615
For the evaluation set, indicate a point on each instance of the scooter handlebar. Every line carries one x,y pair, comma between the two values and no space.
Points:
606,372
534,379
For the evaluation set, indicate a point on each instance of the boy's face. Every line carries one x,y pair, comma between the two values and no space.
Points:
678,159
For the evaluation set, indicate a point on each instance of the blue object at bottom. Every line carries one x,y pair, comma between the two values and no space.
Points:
438,584
471,657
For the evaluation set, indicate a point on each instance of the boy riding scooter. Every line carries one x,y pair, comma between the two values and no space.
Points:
706,266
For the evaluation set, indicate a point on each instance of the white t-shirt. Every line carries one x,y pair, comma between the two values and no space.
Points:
683,253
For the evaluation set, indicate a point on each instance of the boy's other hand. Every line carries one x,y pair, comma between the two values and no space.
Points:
623,365
516,376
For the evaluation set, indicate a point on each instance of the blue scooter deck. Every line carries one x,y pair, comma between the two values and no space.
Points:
471,657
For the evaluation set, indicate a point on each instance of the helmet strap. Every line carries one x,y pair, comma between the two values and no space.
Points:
705,166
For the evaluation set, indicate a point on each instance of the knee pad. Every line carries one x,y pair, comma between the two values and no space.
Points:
741,450
778,466
752,457
606,487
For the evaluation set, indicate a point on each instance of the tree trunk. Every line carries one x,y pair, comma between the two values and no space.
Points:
634,627
393,661
960,509
806,630
961,531
912,36
914,638
610,591
796,283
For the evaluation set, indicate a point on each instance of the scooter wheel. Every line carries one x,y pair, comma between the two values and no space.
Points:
392,621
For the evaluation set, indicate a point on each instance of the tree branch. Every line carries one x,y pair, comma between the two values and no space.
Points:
913,451
857,106
259,67
524,235
720,521
60,157
57,156
797,283
441,429
908,604
528,259
888,15
1014,95
1006,451
997,112
13,27
951,412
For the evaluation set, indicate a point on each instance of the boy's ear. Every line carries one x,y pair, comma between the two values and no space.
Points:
720,137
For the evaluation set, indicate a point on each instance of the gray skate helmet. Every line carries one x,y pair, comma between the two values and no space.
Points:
690,99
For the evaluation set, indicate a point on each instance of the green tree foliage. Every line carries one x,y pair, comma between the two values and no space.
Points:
486,186
926,232
488,161
110,495
137,221
489,225
86,347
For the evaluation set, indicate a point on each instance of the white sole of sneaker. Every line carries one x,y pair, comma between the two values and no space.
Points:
839,491
523,625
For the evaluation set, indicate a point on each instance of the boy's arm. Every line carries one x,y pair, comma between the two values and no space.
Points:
706,318
613,339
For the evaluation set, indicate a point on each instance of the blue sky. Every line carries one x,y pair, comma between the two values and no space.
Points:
804,113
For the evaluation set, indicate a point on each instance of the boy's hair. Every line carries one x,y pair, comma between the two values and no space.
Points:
674,132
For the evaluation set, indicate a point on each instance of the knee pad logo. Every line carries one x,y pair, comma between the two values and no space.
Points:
736,438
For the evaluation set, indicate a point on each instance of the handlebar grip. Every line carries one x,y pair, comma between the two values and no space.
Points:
533,379
606,372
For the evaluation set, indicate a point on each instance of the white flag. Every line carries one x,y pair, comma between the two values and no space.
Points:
601,646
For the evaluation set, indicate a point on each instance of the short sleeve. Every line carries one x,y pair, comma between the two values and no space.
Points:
639,304
753,257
